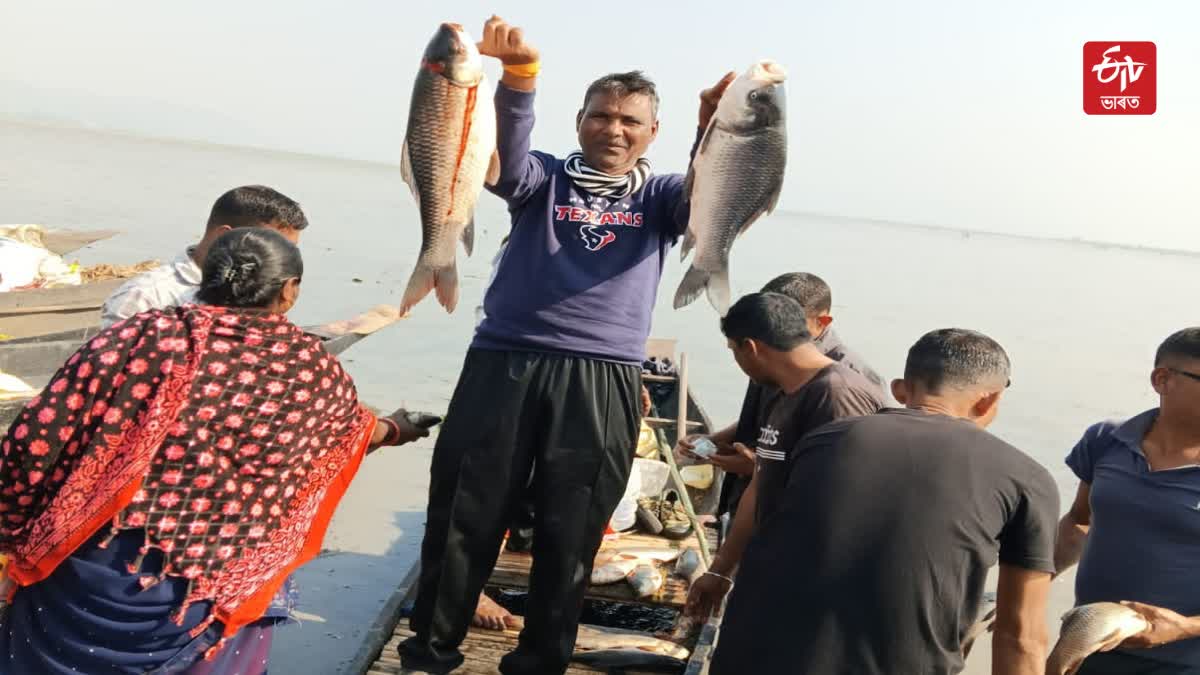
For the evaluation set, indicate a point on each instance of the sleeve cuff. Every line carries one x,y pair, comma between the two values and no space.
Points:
512,100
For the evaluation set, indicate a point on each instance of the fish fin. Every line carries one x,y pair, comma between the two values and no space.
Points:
689,240
406,172
442,280
718,290
690,288
468,235
493,173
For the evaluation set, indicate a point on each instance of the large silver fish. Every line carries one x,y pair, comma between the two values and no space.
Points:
735,177
616,647
614,569
1091,628
448,153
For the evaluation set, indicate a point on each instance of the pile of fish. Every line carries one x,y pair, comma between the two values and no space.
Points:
640,566
448,153
1091,628
735,177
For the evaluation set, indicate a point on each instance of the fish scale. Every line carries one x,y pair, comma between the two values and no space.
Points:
1091,628
735,177
448,154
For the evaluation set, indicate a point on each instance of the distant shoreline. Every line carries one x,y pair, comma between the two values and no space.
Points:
813,215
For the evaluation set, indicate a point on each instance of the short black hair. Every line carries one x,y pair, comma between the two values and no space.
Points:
1181,344
809,290
622,85
255,206
247,268
773,319
957,358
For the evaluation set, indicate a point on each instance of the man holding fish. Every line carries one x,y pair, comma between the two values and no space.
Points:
551,380
1134,529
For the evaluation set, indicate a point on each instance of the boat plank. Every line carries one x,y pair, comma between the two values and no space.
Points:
482,650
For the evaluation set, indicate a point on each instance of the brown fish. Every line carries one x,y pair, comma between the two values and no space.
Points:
1091,628
448,153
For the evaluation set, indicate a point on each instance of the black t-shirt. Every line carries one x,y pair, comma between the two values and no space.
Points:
833,393
758,396
875,561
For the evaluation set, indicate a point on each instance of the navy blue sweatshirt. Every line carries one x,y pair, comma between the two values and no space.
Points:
580,273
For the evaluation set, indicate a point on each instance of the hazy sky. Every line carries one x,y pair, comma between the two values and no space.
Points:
947,112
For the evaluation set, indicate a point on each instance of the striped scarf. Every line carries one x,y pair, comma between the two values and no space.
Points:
602,184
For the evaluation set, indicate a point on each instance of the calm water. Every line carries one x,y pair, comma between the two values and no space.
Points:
1080,322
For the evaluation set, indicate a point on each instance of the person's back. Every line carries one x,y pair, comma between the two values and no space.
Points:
888,551
876,557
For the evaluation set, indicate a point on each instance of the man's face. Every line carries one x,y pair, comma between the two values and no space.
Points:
614,132
1177,382
749,360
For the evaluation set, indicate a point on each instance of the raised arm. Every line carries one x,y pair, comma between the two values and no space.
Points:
521,173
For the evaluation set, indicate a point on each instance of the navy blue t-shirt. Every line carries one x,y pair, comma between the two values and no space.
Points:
580,273
1145,535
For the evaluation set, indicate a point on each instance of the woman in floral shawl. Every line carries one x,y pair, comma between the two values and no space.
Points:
178,467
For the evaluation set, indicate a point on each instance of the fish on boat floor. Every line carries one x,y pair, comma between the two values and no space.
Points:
482,651
512,569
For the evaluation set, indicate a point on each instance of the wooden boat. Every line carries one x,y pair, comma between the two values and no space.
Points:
483,648
53,310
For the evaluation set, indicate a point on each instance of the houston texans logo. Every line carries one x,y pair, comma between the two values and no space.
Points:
594,239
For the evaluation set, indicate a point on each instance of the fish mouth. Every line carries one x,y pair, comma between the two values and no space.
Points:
767,70
452,54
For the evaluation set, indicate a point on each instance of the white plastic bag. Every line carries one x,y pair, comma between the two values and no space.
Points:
625,514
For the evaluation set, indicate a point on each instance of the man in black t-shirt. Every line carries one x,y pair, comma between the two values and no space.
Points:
815,295
769,338
875,558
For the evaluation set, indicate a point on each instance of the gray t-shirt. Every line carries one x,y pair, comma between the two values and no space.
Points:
875,561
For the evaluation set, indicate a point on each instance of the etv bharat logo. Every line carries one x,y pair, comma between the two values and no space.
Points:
1119,78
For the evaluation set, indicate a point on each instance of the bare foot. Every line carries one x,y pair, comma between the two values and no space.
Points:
490,615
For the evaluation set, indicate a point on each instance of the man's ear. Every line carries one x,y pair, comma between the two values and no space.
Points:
900,391
985,405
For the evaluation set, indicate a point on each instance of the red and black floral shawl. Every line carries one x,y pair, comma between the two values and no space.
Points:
229,435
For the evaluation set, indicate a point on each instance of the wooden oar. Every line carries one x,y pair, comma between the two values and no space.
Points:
340,335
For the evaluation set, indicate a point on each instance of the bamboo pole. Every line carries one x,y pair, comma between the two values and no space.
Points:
669,455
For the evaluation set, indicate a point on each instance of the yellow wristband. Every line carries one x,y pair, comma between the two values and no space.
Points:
524,69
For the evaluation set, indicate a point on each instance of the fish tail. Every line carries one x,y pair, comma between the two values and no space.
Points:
443,280
718,290
696,281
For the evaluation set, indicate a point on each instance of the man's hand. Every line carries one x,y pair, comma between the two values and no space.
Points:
740,460
709,98
683,449
1165,626
706,593
645,401
506,43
